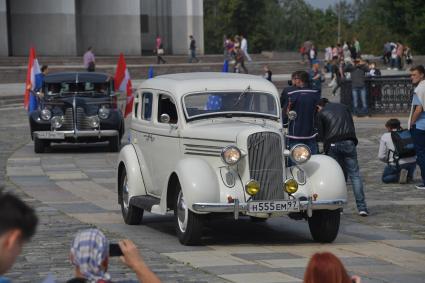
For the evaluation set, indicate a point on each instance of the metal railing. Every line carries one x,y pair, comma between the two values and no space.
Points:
385,94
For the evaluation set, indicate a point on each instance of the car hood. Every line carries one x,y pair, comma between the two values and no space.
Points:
227,131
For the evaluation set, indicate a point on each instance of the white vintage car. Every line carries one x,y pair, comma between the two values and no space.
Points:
209,143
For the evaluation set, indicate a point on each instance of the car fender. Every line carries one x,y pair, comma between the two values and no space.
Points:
198,181
325,178
133,163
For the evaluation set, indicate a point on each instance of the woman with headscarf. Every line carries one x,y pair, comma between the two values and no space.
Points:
90,256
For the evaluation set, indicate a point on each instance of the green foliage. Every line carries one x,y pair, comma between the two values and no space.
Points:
285,24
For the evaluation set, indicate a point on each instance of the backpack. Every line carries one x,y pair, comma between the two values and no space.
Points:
403,144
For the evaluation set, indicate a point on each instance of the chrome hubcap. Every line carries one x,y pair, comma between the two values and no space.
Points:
125,196
182,212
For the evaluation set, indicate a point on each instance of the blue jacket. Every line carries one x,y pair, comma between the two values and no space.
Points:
303,101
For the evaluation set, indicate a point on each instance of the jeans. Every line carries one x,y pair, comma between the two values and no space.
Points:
356,92
419,141
392,172
193,56
345,153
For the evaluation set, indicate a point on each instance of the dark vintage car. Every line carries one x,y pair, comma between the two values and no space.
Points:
78,108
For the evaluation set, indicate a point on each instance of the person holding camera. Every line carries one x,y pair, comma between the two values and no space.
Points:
400,156
358,75
90,252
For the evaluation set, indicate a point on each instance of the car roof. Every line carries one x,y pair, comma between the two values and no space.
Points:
180,84
72,77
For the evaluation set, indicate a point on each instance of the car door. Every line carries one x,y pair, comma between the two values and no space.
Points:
141,132
165,141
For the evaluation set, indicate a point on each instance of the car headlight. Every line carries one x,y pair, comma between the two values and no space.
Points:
300,153
252,188
46,114
103,112
290,186
57,122
231,155
94,121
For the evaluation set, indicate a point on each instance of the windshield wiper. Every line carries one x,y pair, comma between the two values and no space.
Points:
240,95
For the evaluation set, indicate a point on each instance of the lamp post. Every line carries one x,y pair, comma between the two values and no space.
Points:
339,21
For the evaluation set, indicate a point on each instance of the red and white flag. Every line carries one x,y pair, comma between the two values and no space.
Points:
123,83
30,101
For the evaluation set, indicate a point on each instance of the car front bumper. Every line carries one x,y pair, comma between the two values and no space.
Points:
242,207
60,135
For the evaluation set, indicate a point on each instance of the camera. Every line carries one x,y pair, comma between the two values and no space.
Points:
290,82
115,250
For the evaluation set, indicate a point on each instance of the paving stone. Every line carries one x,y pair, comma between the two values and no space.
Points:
25,171
66,175
237,269
266,256
265,277
209,258
98,217
78,207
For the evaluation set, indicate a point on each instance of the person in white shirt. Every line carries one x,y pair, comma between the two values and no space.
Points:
400,171
244,47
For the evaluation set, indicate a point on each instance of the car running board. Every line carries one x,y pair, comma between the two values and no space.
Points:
144,202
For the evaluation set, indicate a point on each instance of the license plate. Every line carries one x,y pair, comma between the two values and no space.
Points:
51,135
274,206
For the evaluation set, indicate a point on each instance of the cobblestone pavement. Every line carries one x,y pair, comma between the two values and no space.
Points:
74,189
48,250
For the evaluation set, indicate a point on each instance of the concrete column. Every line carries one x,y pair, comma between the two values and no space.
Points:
187,19
4,41
109,26
157,21
48,25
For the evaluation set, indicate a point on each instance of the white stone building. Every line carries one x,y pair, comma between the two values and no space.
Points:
68,27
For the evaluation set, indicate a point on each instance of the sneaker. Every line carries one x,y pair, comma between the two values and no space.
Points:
420,187
403,176
363,213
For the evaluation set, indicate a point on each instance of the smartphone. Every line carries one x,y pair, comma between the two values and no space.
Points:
114,250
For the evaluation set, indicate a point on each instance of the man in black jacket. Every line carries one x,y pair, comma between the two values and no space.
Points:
336,130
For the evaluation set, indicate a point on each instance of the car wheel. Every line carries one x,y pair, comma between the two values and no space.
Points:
324,225
114,144
38,145
188,224
132,215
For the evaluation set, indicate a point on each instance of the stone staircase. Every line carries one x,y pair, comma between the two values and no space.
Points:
13,69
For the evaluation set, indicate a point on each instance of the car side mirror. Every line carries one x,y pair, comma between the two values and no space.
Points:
164,118
292,115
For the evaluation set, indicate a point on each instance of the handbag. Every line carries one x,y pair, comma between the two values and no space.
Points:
160,51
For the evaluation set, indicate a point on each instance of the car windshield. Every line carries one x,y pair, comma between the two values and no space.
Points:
243,103
82,88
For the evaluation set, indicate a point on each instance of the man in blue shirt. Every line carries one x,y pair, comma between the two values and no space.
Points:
417,119
303,100
39,78
18,223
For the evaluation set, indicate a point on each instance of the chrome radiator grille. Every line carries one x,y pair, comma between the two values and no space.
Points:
68,123
265,164
82,121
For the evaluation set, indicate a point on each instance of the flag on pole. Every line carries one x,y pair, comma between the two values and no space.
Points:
30,99
150,73
123,83
225,68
